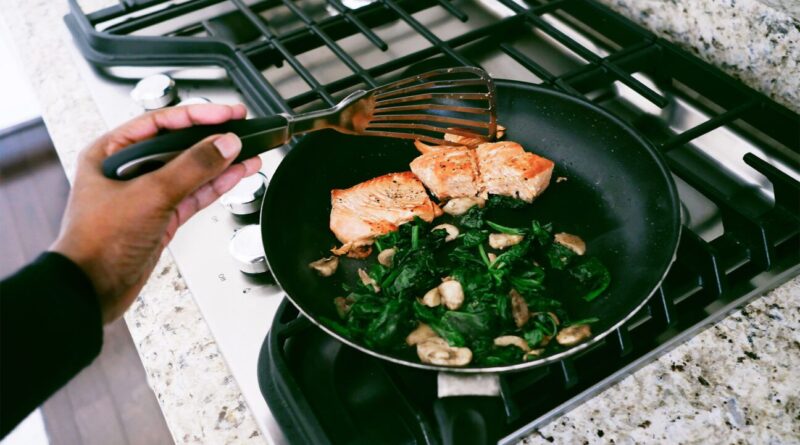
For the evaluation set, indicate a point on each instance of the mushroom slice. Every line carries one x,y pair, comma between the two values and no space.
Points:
432,298
570,241
422,333
519,308
459,206
368,280
452,294
533,353
386,257
491,257
325,267
504,240
452,231
572,335
436,351
512,340
343,305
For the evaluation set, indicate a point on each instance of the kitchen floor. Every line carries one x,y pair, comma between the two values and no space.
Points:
109,402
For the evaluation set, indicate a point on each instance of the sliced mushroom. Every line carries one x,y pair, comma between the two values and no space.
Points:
436,351
343,305
512,340
368,280
326,266
570,241
545,340
459,206
573,335
452,231
354,249
491,257
504,240
452,294
421,334
519,308
386,257
501,131
532,353
432,298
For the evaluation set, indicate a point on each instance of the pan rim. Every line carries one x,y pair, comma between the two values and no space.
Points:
660,162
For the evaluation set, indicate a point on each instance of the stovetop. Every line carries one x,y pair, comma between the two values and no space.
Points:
732,151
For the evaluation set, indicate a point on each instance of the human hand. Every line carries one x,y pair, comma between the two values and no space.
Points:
116,230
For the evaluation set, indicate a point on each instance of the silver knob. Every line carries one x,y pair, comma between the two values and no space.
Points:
247,250
194,101
154,92
245,198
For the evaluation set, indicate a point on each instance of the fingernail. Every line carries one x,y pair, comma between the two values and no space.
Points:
228,145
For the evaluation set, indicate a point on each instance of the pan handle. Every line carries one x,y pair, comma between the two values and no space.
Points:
466,420
469,409
257,135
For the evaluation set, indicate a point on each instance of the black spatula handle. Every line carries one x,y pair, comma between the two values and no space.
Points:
257,135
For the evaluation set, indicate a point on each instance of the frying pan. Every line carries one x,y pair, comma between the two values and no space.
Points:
618,196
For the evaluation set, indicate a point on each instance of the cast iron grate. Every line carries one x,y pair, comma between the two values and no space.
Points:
757,248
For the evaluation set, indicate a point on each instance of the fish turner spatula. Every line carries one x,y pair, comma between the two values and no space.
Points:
459,101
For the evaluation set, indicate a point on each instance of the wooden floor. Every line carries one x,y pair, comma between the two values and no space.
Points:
109,402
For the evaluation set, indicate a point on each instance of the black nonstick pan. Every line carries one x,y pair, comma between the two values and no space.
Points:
618,196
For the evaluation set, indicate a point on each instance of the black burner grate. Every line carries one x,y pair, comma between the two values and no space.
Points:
753,246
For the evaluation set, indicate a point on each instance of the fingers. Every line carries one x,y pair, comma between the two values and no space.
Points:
194,167
213,189
174,118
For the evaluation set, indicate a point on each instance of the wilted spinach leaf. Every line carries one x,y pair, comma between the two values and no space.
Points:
391,325
505,229
474,238
504,202
592,276
473,219
559,256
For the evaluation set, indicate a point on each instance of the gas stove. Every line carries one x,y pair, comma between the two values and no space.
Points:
733,154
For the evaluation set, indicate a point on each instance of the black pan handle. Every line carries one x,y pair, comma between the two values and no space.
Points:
466,420
257,135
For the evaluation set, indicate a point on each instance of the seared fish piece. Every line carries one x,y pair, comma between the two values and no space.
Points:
376,207
448,172
507,169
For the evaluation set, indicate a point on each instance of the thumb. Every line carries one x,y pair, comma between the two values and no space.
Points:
194,167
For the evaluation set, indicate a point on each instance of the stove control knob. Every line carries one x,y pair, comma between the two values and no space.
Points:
194,101
247,250
245,198
154,92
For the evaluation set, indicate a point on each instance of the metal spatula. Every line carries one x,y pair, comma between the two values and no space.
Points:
452,100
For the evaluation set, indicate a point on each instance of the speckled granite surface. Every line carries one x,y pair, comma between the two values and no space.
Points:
791,7
736,382
748,39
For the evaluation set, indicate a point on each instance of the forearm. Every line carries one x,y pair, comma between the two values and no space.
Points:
50,329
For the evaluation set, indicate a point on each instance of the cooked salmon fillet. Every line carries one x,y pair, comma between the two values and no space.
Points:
448,172
507,169
376,207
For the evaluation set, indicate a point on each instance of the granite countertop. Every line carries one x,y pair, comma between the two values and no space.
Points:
735,382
